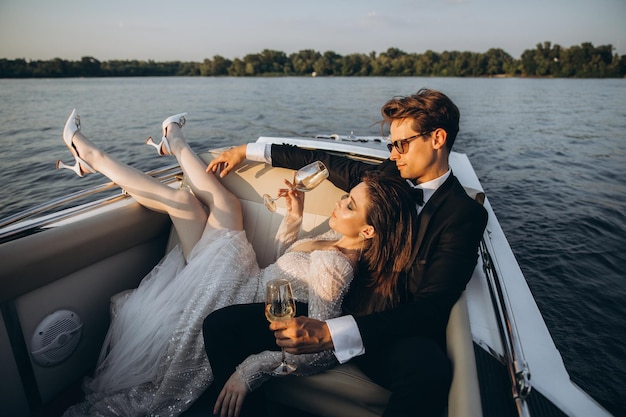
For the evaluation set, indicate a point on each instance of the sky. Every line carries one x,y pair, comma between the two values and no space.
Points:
193,30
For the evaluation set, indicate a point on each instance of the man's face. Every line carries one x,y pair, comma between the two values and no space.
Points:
420,162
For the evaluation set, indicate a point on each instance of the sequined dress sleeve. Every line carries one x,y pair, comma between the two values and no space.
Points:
320,278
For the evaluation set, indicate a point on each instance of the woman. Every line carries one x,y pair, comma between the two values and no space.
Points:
153,359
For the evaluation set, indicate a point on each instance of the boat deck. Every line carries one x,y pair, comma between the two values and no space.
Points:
112,244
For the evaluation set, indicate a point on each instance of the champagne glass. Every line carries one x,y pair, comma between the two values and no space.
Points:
305,179
280,305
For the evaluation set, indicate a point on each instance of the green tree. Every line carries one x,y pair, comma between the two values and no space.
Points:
463,64
215,67
355,64
271,62
390,62
328,64
303,61
497,61
237,69
89,66
425,63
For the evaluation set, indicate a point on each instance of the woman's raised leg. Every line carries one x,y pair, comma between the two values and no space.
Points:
186,211
224,207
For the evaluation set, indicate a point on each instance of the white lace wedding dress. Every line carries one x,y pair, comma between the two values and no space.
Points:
153,360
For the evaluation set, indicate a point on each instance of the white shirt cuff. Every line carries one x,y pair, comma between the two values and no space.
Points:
346,338
260,152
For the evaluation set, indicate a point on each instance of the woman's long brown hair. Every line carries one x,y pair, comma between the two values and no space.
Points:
387,258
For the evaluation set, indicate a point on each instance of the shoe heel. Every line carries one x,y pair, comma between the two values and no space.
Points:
75,168
161,148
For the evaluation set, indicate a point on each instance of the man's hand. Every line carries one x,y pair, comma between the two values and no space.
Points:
302,335
230,400
227,160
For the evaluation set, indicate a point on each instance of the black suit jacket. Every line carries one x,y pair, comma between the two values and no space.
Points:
451,227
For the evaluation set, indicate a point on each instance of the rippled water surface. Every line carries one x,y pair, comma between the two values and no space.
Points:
551,155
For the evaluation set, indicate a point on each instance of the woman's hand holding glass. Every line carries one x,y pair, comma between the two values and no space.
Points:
305,179
294,200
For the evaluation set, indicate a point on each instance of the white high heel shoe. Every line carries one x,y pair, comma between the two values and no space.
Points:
81,168
163,148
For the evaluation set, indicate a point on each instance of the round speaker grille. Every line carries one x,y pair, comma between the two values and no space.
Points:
56,338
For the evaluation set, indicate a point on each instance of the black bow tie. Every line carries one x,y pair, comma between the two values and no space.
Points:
418,193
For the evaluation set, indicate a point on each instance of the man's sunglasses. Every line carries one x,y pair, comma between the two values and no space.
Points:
402,145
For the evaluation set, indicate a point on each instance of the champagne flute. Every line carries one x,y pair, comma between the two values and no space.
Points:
305,179
280,305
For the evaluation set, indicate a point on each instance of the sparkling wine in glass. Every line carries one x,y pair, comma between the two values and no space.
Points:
305,179
280,305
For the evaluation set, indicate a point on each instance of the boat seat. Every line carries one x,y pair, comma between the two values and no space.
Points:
344,390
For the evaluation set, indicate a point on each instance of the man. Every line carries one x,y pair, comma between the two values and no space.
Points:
402,349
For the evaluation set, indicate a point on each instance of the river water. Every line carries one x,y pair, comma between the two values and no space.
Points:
550,154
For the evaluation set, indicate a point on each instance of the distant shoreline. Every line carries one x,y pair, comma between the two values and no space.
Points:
546,61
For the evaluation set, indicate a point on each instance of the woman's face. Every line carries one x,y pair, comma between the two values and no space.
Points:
348,217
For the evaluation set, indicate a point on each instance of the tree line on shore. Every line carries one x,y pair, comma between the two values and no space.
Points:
546,60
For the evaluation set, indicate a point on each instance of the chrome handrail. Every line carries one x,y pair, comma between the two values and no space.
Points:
517,367
166,175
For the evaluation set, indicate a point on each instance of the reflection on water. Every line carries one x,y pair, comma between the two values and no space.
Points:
549,153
